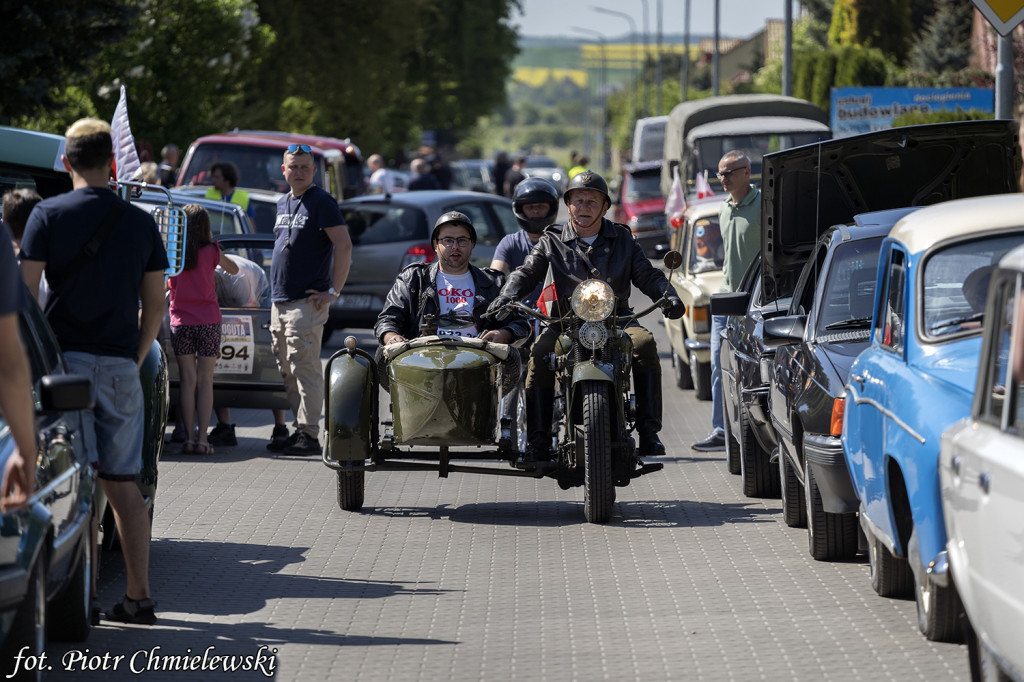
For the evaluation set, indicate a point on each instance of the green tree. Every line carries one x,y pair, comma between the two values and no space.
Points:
945,42
46,45
885,24
187,65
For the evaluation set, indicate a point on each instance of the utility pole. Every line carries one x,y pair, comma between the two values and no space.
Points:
684,84
787,57
657,67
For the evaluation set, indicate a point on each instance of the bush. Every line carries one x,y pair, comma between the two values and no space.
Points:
941,116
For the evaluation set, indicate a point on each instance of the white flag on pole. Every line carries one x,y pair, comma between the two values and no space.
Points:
126,159
703,186
675,205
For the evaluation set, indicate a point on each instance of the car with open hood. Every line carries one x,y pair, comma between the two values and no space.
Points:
809,189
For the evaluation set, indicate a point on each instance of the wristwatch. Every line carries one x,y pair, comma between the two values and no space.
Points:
333,293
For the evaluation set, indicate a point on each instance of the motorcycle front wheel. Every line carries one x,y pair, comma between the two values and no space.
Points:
598,484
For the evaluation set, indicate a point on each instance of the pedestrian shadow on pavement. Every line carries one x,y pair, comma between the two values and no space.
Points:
690,513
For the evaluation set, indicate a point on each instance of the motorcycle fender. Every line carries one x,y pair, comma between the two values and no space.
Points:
591,371
351,405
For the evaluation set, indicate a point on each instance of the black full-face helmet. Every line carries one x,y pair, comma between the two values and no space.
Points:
588,179
453,217
535,191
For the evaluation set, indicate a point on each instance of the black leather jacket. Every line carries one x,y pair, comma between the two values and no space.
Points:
414,295
615,256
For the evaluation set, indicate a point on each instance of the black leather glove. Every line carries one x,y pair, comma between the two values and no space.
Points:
495,308
674,308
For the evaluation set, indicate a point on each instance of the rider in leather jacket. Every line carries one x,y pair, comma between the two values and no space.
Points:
615,257
414,295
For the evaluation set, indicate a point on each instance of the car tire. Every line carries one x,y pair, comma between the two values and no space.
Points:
890,575
29,626
732,446
351,489
829,536
938,608
75,604
794,507
760,476
700,373
682,372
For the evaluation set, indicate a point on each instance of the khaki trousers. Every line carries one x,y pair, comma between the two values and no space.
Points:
296,335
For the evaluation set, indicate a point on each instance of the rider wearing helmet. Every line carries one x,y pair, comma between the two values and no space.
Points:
450,289
591,246
535,205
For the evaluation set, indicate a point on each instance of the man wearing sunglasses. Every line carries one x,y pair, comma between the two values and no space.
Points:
450,291
739,220
312,255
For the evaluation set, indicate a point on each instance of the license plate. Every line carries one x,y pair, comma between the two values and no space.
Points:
361,301
237,346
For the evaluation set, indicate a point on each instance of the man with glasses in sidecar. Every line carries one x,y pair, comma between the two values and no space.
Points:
448,296
591,247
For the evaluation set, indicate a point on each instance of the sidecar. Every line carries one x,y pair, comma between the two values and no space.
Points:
442,392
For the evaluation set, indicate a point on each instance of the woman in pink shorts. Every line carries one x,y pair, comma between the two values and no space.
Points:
195,326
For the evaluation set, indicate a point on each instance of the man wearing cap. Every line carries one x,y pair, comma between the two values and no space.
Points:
312,255
451,290
591,246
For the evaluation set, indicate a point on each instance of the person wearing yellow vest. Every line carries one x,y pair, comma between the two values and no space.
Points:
580,164
224,176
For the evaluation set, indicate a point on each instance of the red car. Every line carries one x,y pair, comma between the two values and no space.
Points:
641,206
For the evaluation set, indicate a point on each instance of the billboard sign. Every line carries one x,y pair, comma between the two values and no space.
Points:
863,110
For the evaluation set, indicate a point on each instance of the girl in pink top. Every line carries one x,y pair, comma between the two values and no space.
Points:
195,326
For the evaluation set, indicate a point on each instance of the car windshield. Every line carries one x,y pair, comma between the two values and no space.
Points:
712,149
849,291
956,284
259,167
652,142
371,223
541,162
707,252
643,186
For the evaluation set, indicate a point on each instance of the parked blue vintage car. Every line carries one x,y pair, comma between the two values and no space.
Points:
915,379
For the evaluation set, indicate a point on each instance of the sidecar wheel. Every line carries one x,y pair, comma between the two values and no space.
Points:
351,485
598,484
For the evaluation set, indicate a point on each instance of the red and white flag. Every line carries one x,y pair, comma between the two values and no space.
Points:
675,205
548,299
126,160
703,186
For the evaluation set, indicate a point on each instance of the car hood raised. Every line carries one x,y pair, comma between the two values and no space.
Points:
808,189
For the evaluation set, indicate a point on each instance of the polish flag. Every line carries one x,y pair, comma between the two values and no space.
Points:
126,160
675,205
703,187
548,299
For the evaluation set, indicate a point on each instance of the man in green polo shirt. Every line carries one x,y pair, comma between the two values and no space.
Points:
740,223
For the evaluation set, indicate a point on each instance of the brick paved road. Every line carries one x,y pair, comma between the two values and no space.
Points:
494,578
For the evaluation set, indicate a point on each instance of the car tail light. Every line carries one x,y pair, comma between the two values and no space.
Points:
701,320
836,425
421,253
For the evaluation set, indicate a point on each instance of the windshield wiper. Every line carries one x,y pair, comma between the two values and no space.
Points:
852,323
956,321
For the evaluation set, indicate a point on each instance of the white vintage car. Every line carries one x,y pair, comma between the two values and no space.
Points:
981,474
700,242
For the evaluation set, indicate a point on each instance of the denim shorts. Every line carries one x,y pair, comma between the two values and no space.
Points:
112,430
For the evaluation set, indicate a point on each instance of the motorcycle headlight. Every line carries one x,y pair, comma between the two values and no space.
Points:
593,300
593,336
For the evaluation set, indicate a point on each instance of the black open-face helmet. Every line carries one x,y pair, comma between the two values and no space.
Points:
535,191
588,179
453,217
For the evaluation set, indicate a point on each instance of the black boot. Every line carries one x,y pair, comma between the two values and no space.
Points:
539,405
647,386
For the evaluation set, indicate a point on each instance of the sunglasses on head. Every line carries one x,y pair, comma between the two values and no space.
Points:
294,148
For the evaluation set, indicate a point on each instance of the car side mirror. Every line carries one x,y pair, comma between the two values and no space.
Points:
65,393
784,330
735,303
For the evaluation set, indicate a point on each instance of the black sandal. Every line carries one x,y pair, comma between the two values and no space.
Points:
133,611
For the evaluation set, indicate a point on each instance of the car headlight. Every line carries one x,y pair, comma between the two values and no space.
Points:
593,300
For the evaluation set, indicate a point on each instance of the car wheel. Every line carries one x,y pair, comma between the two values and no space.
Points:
28,630
351,487
760,476
829,536
701,377
732,447
682,372
75,604
938,608
890,575
794,508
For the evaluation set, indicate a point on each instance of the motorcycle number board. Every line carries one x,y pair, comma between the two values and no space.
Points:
237,346
1004,15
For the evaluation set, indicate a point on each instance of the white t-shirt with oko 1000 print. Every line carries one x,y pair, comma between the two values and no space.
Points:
455,294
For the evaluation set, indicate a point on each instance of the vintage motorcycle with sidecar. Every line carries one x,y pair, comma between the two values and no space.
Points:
450,392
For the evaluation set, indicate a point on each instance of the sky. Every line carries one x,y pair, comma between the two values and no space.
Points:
739,18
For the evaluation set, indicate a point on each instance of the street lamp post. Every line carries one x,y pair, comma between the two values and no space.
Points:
601,86
632,42
643,65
